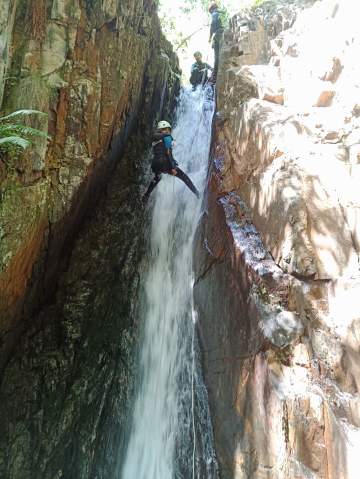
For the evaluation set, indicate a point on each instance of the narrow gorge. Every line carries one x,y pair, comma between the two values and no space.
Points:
180,339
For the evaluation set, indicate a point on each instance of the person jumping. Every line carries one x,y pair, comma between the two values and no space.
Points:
163,160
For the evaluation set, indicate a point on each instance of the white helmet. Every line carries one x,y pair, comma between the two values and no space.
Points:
163,124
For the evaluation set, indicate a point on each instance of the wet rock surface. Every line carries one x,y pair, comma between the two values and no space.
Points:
65,392
72,231
277,272
66,389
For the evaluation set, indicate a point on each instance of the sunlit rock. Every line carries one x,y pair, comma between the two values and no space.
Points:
282,229
267,81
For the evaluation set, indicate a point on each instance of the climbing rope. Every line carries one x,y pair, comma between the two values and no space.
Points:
193,396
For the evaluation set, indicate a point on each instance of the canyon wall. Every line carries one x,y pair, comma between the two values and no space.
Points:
277,250
89,66
72,227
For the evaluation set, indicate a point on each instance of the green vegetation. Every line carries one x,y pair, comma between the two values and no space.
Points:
230,6
258,3
14,134
181,22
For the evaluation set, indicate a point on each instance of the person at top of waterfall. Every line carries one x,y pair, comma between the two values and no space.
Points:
199,71
216,33
163,160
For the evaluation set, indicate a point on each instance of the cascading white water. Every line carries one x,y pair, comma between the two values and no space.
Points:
165,418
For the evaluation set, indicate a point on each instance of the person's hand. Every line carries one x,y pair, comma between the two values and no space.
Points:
173,172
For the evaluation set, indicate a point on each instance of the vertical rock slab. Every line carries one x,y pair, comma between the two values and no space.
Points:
72,231
66,390
277,259
280,353
88,65
7,17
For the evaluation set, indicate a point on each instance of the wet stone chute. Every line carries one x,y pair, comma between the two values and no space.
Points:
171,402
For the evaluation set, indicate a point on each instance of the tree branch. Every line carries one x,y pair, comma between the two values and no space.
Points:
188,37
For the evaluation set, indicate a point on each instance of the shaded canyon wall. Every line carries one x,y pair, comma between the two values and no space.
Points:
87,65
72,228
277,250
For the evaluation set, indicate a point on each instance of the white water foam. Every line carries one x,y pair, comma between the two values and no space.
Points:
161,441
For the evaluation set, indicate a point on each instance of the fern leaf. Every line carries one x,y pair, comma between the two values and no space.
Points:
16,141
23,130
21,113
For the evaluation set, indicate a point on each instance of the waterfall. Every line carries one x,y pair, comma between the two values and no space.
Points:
171,435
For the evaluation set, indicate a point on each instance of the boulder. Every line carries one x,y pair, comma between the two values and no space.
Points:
267,81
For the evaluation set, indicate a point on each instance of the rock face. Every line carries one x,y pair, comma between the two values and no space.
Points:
277,262
69,269
67,386
88,64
